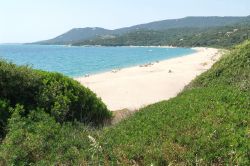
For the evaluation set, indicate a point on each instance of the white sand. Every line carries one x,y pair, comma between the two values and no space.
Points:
136,87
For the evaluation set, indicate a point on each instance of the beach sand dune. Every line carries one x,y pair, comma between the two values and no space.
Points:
136,87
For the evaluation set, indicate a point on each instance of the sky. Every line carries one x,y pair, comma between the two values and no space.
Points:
33,20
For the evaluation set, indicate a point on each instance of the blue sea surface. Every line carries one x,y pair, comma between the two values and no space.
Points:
78,61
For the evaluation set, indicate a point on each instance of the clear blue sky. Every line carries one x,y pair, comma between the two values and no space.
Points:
32,20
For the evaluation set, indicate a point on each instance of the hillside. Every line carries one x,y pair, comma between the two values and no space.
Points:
81,34
225,36
207,124
189,22
77,34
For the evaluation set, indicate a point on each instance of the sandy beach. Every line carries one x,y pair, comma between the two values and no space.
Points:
136,87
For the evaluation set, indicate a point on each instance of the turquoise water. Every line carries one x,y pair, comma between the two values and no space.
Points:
78,61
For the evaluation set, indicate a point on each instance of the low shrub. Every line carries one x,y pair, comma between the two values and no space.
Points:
38,138
4,116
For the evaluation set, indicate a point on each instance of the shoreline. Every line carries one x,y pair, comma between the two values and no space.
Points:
196,49
131,46
138,86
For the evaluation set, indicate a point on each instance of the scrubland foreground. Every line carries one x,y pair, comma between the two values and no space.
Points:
206,124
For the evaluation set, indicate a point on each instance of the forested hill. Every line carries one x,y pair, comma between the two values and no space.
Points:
78,35
194,22
182,37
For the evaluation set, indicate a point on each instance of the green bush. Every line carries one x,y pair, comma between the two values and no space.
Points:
58,95
4,116
38,138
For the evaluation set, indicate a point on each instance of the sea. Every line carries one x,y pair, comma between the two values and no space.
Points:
79,61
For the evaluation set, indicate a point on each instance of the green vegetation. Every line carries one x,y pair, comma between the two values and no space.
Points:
182,37
207,124
39,139
4,115
202,126
60,96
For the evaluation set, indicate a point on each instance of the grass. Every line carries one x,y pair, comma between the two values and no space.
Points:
207,125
